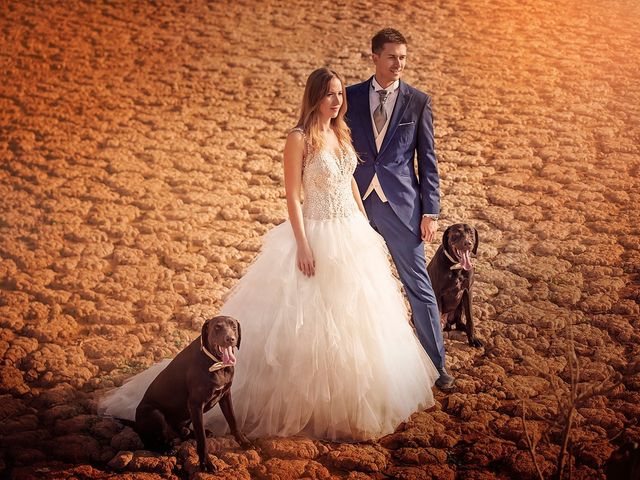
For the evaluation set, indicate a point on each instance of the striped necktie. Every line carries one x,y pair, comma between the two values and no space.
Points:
380,113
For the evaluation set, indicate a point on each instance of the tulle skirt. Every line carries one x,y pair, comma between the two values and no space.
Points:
331,356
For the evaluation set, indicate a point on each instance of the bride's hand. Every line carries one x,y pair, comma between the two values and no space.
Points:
306,262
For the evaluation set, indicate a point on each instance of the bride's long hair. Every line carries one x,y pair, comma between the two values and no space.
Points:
315,90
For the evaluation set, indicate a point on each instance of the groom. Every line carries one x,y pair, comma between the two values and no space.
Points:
390,122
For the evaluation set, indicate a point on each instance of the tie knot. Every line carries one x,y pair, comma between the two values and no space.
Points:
383,95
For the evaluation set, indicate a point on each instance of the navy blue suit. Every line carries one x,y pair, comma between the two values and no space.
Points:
410,132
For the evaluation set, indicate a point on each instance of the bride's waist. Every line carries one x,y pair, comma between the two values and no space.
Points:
327,209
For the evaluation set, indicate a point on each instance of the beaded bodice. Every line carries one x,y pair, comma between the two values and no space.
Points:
326,182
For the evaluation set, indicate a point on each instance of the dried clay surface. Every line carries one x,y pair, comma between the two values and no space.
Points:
140,164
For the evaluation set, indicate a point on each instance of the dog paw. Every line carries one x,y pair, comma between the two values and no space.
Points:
208,466
243,441
474,342
246,443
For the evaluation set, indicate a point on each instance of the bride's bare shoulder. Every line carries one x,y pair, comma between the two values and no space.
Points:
296,138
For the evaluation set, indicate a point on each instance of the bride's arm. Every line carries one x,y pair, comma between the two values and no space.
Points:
356,195
293,153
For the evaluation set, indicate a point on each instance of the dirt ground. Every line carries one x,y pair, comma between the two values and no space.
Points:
140,164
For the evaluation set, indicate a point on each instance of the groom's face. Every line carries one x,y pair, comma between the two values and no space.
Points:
390,62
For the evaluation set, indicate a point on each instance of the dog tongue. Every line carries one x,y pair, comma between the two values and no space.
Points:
227,356
465,261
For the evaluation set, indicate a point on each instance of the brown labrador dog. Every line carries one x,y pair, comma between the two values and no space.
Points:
196,379
451,273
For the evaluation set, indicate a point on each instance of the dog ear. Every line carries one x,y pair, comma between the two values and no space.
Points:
205,331
475,245
239,335
445,237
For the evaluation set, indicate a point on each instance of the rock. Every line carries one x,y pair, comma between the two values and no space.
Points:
58,470
420,456
430,472
590,447
76,448
17,349
482,451
126,439
364,458
100,346
104,428
302,448
80,423
19,424
51,415
279,468
513,429
27,456
26,438
56,327
227,474
481,474
359,476
522,466
144,461
53,364
11,407
12,381
244,459
467,406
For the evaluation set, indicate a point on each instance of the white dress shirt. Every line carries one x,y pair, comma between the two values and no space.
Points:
374,102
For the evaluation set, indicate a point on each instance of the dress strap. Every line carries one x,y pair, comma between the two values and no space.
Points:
298,129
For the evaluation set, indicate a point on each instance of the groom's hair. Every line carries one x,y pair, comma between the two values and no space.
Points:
386,35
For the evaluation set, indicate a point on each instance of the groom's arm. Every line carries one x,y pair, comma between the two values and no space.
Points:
427,162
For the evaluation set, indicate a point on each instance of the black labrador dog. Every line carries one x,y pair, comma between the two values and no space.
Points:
451,273
194,381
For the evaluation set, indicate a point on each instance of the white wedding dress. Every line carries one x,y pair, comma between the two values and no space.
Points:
331,356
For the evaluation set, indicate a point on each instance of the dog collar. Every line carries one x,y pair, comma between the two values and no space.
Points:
217,365
456,265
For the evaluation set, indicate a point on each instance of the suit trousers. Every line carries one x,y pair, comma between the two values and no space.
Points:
407,252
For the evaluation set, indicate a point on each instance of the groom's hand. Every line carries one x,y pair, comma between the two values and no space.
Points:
428,229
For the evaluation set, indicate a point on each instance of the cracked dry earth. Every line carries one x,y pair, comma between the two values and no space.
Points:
140,147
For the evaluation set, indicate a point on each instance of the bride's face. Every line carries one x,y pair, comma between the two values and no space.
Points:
332,101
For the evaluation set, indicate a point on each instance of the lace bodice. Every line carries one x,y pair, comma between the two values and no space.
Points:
326,182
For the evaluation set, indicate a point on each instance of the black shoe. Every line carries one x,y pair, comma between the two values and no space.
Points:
445,381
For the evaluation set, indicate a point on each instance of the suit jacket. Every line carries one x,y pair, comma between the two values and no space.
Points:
410,131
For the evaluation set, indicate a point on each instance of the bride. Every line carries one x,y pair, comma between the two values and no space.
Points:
327,350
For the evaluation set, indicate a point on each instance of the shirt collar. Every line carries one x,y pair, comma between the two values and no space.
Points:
391,88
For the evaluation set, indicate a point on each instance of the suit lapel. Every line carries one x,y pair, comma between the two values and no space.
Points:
364,112
404,96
